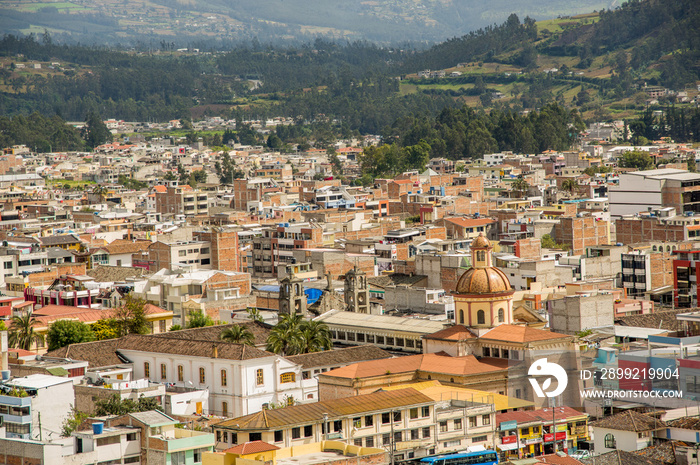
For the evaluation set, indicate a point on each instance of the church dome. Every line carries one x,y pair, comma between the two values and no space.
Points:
480,242
487,280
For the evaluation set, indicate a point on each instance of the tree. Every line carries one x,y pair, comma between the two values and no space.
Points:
105,328
569,185
198,319
65,332
22,335
285,337
520,185
95,131
175,328
115,405
294,335
73,422
131,316
238,334
548,242
315,337
636,159
254,314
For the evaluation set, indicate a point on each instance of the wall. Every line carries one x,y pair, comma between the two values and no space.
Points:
576,313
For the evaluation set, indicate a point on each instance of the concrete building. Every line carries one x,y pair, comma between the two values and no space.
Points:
574,313
626,431
366,420
277,245
639,190
182,200
190,255
34,395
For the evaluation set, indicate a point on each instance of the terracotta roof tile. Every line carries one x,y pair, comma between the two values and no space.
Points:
253,447
340,356
453,333
630,421
124,246
313,413
432,363
521,334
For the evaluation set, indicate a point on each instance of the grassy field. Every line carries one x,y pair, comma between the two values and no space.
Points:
61,6
72,184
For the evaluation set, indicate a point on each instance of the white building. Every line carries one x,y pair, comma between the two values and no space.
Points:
627,431
48,396
240,379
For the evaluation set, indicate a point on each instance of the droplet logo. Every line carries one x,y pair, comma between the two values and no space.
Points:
542,367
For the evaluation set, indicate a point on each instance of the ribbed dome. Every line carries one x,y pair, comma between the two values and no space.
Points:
487,280
480,242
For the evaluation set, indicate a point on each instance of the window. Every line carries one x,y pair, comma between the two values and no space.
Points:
146,369
443,426
415,434
7,265
259,379
487,352
413,413
180,373
486,419
472,422
161,326
426,432
134,459
198,454
386,418
479,438
224,381
182,253
287,377
357,442
386,439
357,422
458,424
426,411
131,437
397,416
369,420
501,315
337,425
108,440
480,317
225,438
202,376
224,409
369,442
610,441
177,458
296,433
163,371
308,431
397,436
278,436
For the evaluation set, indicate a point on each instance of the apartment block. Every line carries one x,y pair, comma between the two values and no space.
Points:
192,254
182,200
276,246
224,251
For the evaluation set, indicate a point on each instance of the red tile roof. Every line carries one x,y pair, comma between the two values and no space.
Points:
453,333
253,447
434,363
521,334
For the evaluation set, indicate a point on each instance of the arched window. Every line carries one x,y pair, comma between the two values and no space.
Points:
501,315
202,376
653,248
610,441
146,369
480,256
180,373
480,317
461,316
668,248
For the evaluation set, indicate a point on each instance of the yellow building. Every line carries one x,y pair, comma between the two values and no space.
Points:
484,296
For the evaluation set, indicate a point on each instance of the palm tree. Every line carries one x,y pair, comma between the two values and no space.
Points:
519,185
285,337
315,337
570,185
238,334
22,335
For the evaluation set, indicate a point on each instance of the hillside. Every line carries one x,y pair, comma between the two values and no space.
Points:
158,22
